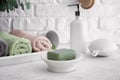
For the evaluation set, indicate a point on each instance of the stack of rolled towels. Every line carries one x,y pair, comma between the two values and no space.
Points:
20,42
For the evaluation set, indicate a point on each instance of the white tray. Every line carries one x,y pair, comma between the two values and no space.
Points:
24,58
18,59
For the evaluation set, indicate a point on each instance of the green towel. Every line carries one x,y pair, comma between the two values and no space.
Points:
16,45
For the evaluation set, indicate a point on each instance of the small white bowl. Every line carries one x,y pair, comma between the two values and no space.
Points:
62,66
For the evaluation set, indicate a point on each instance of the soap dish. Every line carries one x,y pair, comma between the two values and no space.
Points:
62,66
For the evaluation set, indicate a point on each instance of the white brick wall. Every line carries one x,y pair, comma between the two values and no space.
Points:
103,18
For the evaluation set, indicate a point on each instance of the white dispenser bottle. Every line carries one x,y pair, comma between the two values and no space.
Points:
78,32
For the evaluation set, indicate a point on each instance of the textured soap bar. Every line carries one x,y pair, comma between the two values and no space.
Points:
61,54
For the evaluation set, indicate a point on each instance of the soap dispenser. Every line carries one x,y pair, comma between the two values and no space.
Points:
78,32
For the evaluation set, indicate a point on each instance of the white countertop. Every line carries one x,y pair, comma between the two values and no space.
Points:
90,68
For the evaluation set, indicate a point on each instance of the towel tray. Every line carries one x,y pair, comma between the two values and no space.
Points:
18,59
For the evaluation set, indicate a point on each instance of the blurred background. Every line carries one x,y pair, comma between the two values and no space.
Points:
103,18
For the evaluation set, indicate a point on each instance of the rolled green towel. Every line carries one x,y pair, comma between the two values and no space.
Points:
16,45
3,48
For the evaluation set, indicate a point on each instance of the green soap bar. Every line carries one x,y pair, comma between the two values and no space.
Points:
61,54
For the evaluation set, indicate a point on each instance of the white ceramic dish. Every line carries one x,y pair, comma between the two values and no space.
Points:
62,66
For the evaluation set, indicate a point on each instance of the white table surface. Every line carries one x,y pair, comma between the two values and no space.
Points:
90,68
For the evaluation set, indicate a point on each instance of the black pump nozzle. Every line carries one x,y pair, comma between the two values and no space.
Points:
77,13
